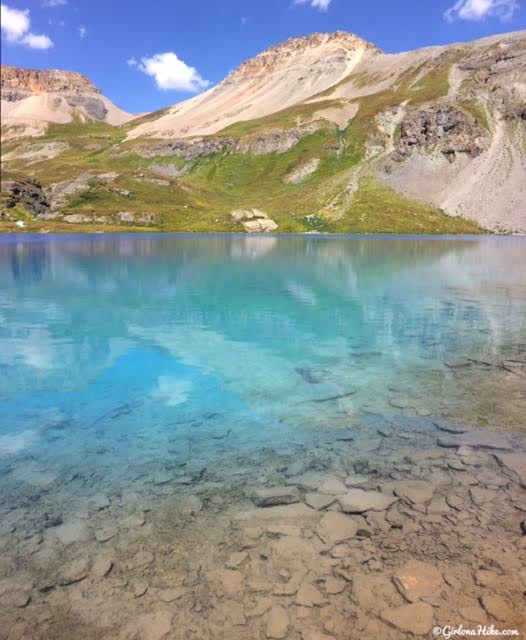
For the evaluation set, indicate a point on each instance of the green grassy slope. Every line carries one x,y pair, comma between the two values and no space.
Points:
202,199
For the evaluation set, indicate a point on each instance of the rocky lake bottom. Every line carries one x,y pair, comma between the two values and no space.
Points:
198,444
384,530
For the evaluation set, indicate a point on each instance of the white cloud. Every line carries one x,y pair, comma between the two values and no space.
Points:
37,42
14,23
132,62
54,3
480,9
171,73
82,31
322,5
15,28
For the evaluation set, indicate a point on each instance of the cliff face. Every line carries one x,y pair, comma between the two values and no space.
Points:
53,81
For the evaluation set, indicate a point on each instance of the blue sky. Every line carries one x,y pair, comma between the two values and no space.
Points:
147,55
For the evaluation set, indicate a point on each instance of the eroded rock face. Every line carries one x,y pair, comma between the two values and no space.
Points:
445,128
273,140
188,149
498,73
93,106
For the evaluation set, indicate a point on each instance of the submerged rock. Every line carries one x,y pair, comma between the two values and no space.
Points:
336,527
232,581
319,501
171,595
515,464
418,580
360,501
278,623
477,440
332,485
334,586
496,607
102,566
190,505
274,496
415,491
106,533
411,618
309,596
74,572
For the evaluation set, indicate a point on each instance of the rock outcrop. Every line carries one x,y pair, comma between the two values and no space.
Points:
131,217
23,191
443,128
303,171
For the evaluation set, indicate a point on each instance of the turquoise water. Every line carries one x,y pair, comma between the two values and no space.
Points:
106,340
153,388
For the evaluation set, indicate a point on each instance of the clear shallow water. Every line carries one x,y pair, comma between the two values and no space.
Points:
103,338
153,388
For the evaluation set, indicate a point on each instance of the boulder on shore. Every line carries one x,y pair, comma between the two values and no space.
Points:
254,220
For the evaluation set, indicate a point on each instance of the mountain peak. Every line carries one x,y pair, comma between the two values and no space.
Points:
301,49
